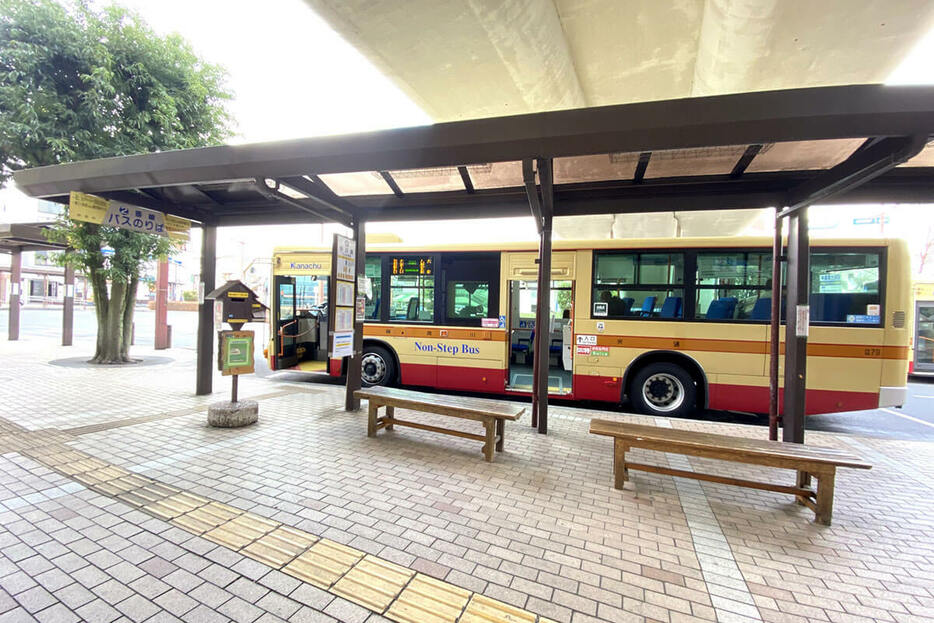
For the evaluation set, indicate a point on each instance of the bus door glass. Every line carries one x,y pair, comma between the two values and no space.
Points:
924,336
523,298
286,323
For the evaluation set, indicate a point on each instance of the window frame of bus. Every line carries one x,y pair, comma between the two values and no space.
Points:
689,311
490,276
687,265
696,288
883,252
387,287
383,286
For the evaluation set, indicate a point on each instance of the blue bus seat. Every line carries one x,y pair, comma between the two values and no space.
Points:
722,308
671,308
762,310
648,306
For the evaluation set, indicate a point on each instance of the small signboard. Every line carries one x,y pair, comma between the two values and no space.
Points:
236,304
600,309
342,345
802,320
345,301
236,352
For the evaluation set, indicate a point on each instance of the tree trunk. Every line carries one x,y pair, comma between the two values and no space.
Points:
129,306
101,305
110,334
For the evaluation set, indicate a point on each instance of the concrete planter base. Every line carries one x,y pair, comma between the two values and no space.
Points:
233,414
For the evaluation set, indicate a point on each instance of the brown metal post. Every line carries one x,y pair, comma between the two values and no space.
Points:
233,388
774,328
68,308
162,305
543,327
533,344
796,342
355,365
16,275
205,366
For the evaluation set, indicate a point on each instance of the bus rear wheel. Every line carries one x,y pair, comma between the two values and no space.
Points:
377,366
663,389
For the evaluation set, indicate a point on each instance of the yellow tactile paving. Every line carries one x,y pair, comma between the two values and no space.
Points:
373,583
485,610
207,517
122,485
241,531
324,563
80,466
280,546
427,600
100,476
175,505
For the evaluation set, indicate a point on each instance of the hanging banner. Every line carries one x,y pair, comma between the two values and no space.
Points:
100,211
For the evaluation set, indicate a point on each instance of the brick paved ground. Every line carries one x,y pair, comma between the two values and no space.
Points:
541,528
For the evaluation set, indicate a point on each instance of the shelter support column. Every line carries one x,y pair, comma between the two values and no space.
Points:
774,329
162,305
205,367
354,365
68,307
543,211
16,276
796,327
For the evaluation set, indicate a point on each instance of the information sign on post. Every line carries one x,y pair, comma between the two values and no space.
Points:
343,261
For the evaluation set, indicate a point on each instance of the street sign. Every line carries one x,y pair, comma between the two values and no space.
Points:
236,352
100,211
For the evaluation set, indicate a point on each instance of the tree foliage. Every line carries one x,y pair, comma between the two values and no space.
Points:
77,83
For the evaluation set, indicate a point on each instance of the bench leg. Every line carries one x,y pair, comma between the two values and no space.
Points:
803,481
390,414
620,471
490,439
500,434
825,482
371,419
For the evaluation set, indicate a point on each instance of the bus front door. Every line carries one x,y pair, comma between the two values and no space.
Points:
286,323
523,297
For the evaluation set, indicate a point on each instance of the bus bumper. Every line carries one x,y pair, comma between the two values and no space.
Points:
892,396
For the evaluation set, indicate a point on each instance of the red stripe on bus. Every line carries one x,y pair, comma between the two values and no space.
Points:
755,399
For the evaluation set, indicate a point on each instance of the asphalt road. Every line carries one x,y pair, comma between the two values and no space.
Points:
914,421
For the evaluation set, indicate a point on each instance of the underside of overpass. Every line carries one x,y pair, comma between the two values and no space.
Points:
467,59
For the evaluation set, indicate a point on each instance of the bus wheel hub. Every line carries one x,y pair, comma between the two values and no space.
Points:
663,391
374,368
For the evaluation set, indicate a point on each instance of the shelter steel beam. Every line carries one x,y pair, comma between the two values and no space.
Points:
320,195
16,275
205,367
355,364
796,342
68,307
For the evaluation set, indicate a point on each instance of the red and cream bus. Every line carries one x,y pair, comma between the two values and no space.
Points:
670,324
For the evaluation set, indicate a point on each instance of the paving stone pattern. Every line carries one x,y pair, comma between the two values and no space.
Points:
541,529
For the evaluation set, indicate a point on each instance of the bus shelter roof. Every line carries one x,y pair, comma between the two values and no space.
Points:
750,150
26,237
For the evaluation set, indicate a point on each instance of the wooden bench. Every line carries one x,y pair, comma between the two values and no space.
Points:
821,463
493,414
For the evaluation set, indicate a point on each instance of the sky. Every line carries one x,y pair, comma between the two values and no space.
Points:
292,76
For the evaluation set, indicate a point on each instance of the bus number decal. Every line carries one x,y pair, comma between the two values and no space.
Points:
873,352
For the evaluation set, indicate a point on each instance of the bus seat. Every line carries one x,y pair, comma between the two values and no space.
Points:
619,307
412,312
762,310
628,301
671,308
648,306
722,308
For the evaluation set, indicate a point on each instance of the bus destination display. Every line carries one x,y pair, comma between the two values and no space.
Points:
418,265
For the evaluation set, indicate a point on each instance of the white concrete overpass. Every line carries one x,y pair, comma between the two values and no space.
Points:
465,59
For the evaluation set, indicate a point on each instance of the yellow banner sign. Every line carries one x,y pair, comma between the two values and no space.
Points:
100,211
88,208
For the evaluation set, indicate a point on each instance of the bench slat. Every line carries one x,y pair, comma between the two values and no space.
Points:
440,403
738,447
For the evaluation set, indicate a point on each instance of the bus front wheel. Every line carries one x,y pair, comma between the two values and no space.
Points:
377,366
663,389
